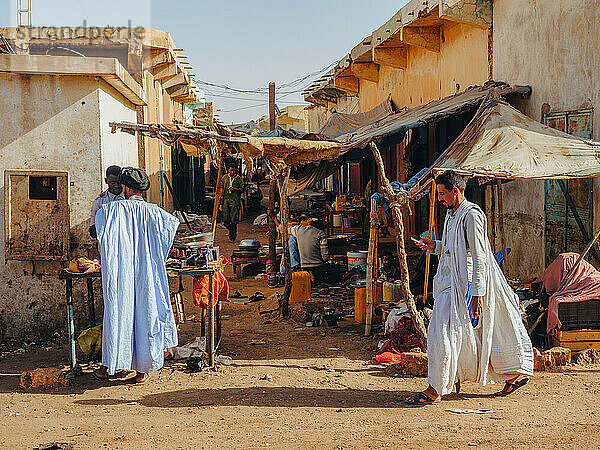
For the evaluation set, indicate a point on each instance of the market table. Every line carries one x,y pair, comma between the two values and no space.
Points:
69,278
214,314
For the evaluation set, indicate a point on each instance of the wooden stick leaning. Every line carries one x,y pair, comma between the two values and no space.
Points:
370,266
218,194
282,181
431,228
395,207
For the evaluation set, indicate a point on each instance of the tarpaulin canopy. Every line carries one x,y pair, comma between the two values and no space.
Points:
501,142
421,115
339,124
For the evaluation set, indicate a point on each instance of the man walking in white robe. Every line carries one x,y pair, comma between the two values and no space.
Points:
475,332
135,238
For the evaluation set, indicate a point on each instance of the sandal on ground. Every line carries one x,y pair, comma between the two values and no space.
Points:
257,297
421,399
509,388
237,294
143,380
99,377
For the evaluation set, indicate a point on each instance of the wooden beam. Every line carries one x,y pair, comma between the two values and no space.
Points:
371,260
391,57
282,181
348,84
157,59
366,71
166,71
424,37
178,79
179,91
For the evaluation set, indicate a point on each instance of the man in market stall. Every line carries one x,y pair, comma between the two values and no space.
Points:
113,193
233,186
135,238
475,332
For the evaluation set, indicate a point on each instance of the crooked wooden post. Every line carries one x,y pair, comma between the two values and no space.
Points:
396,209
282,181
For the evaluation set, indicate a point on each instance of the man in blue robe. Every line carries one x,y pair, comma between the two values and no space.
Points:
135,238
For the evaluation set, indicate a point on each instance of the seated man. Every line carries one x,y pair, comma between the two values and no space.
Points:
389,271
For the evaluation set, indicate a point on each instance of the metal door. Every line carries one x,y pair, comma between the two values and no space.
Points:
562,232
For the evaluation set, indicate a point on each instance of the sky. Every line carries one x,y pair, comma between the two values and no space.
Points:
236,43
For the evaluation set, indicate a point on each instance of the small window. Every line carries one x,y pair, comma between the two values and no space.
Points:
42,188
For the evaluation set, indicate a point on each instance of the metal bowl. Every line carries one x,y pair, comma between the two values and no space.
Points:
249,243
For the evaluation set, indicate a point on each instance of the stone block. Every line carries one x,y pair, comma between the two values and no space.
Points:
587,357
411,364
551,359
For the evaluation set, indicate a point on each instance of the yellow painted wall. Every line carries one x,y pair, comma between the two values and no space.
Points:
461,62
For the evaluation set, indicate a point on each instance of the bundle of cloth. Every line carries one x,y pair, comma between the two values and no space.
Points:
84,265
584,284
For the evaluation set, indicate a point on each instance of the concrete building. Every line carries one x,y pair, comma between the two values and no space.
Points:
552,47
60,91
432,49
292,117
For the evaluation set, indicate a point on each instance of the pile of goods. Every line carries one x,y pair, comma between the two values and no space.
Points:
195,251
84,265
247,249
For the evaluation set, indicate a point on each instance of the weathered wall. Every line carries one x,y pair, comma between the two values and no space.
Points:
49,123
119,148
461,62
552,46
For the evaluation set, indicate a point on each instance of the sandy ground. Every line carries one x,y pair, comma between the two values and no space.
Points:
290,387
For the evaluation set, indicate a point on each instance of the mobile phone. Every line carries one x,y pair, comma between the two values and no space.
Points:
416,241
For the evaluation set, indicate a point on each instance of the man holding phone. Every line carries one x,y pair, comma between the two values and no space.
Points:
475,332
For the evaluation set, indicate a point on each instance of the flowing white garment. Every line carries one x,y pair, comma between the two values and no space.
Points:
135,238
499,347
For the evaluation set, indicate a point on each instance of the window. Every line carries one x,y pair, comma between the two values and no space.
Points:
42,188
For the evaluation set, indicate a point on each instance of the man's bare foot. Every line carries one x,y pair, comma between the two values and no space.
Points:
141,378
101,373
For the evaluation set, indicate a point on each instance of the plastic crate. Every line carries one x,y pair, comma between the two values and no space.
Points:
580,315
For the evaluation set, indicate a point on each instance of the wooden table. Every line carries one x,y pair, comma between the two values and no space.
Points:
70,278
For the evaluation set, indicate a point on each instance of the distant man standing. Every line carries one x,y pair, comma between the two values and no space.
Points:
113,193
475,332
135,238
232,201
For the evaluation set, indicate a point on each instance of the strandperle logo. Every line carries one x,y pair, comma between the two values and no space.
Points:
128,32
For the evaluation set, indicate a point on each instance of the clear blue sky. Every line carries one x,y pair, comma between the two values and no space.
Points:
239,43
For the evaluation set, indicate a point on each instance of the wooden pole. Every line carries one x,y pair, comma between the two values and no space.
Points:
373,232
501,223
272,226
271,106
432,202
396,208
493,213
218,194
287,263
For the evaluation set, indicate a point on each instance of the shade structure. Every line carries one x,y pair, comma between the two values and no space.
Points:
502,142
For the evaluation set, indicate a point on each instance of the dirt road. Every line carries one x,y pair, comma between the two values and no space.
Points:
290,387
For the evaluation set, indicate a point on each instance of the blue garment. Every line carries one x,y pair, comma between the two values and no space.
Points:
135,238
294,254
384,202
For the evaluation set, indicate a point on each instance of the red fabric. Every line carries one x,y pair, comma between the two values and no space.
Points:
583,285
220,286
388,357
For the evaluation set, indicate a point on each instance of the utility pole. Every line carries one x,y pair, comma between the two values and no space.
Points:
272,187
271,105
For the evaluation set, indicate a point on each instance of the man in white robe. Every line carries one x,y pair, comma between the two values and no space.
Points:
475,332
135,238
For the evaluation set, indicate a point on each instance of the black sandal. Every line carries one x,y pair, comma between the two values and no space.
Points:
421,399
509,388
